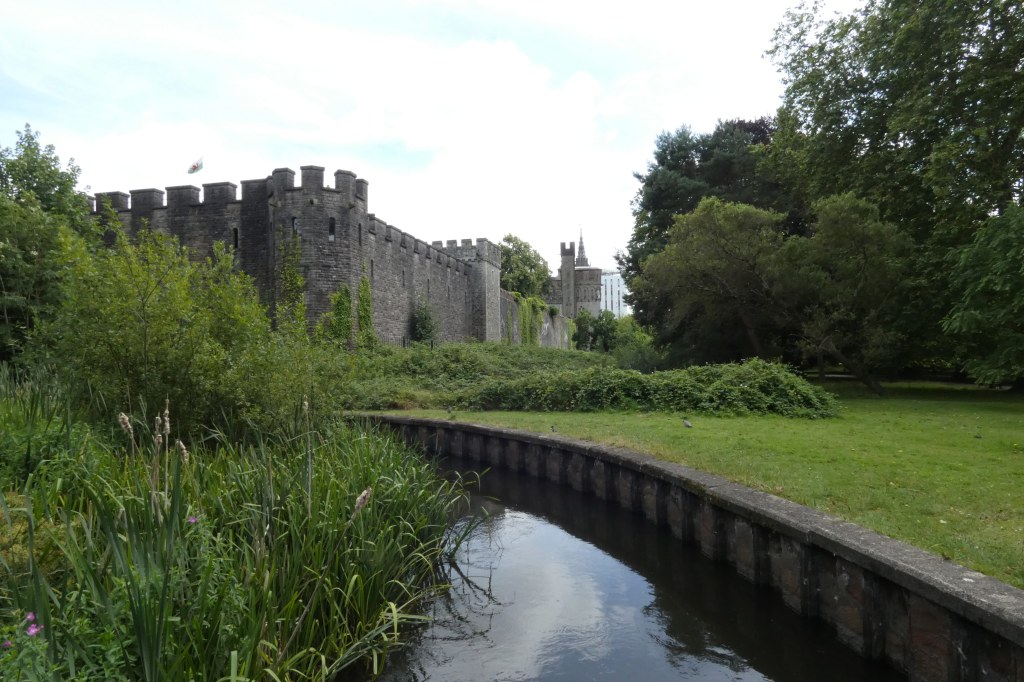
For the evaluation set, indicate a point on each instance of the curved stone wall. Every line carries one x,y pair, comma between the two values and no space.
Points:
931,618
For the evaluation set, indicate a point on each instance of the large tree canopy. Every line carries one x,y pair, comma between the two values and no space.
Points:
523,270
989,313
688,167
38,202
711,282
733,283
31,174
837,287
917,105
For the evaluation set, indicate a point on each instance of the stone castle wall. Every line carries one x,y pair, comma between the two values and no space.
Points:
340,241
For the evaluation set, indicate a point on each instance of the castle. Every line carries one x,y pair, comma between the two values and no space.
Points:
577,286
339,241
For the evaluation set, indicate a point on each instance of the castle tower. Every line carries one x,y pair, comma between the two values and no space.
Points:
586,284
567,275
484,258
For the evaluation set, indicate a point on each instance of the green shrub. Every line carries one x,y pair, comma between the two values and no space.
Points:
752,387
141,323
423,325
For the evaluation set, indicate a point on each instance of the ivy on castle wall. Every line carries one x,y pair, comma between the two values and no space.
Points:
290,311
367,337
338,323
531,319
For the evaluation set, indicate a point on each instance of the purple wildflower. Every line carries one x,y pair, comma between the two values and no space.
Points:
30,616
33,630
7,644
193,519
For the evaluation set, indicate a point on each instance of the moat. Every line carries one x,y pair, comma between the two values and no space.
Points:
556,585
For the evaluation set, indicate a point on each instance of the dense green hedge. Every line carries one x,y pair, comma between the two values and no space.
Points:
752,387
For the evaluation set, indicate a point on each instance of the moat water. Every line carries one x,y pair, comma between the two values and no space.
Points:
556,585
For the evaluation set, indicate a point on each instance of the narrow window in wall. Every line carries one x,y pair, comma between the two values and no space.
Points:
403,278
234,237
330,230
295,225
360,234
371,270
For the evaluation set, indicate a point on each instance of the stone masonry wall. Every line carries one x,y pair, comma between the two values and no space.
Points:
930,618
340,241
554,331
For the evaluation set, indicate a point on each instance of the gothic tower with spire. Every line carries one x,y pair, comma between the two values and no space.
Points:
578,286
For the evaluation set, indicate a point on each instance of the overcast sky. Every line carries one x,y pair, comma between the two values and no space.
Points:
469,118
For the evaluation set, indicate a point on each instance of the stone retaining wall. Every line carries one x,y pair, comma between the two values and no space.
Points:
933,619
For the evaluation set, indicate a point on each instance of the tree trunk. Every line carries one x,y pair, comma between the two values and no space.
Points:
755,341
859,371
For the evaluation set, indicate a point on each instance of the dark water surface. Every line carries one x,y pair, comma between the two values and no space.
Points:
555,585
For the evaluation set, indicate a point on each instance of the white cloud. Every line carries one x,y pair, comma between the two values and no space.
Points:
514,116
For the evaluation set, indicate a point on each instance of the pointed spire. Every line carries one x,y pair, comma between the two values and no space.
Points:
581,257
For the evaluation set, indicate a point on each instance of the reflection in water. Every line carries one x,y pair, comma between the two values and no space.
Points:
555,585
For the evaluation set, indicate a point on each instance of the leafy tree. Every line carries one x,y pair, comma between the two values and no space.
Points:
583,334
30,170
714,272
989,313
918,107
423,324
38,201
605,331
688,167
634,347
30,243
838,287
523,270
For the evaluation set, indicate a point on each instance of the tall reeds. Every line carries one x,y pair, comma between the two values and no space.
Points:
287,558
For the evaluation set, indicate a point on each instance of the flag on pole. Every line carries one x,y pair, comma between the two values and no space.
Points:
196,167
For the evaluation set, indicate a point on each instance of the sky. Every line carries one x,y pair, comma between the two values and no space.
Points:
469,118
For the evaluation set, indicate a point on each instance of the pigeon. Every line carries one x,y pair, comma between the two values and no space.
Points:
553,428
687,424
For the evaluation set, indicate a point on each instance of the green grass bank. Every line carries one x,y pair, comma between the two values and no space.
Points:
938,466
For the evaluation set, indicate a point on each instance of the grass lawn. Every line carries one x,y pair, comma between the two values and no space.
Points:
937,466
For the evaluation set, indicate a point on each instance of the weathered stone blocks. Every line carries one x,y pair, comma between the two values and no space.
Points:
884,599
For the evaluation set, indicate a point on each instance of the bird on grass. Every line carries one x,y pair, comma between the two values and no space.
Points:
686,423
451,412
553,429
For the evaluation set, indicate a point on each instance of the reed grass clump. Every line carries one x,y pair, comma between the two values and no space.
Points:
295,557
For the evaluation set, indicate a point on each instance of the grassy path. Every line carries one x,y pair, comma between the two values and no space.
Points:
938,467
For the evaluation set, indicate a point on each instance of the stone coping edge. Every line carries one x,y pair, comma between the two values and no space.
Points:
981,599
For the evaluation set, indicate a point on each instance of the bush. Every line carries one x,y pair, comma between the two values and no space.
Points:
423,324
752,387
141,323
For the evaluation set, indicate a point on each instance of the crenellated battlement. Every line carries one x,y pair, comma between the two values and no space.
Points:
483,250
339,240
280,181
